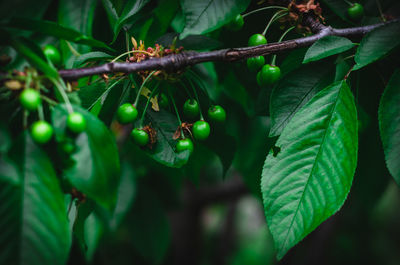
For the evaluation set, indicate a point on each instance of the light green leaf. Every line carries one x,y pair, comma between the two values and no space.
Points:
377,43
33,222
294,91
307,177
206,16
327,46
95,170
389,125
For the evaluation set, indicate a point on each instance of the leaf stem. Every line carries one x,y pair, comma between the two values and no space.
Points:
280,39
141,88
262,9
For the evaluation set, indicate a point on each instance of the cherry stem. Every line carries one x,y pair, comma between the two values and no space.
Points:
176,111
60,85
196,76
28,79
349,3
129,52
186,89
276,16
155,90
40,112
197,97
126,39
25,119
141,88
72,49
48,100
280,39
262,9
380,10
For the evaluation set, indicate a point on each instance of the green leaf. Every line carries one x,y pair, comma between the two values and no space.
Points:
53,29
327,46
163,151
95,170
34,55
130,10
77,15
294,91
33,222
308,176
111,11
389,125
92,56
206,16
339,7
377,43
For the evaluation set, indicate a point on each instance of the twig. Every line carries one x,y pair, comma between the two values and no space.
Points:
175,62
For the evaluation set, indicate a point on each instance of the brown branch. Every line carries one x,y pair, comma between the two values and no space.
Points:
175,62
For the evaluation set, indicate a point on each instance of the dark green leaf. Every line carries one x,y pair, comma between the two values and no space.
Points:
112,13
206,16
23,8
53,29
130,10
295,90
389,125
339,7
163,151
91,93
327,46
307,179
77,15
377,43
34,223
95,170
91,56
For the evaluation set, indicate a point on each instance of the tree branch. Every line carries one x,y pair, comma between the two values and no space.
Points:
175,62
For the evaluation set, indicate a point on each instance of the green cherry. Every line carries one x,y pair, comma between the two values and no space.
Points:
30,99
356,11
257,39
217,113
191,108
268,75
236,23
255,63
184,144
126,113
76,122
52,53
201,130
140,137
41,132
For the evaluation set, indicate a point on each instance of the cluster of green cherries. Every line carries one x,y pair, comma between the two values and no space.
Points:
127,113
41,130
267,73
